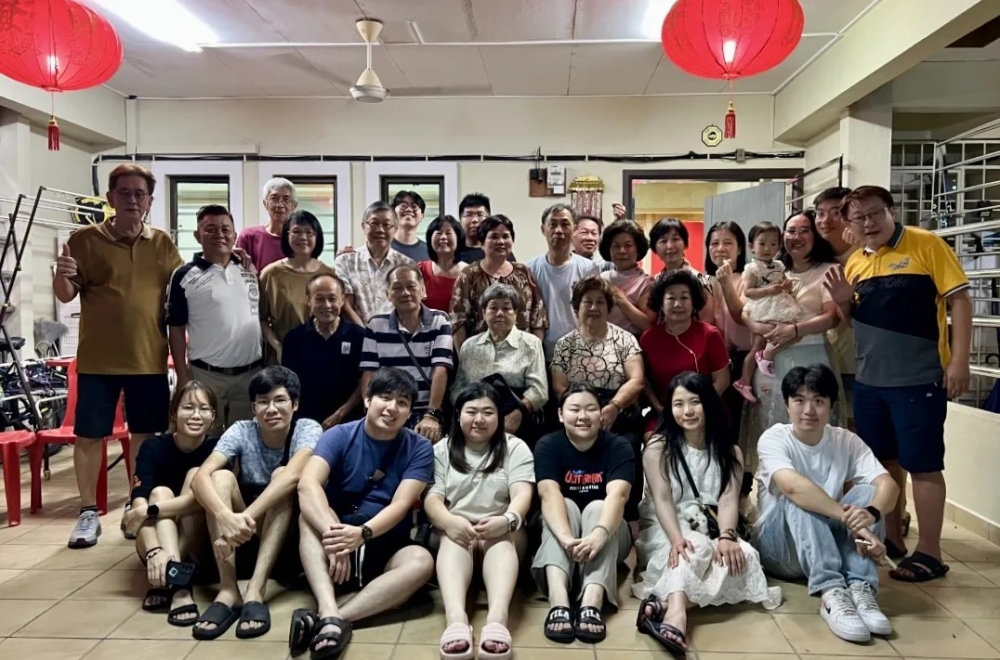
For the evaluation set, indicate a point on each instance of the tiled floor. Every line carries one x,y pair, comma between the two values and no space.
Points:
61,604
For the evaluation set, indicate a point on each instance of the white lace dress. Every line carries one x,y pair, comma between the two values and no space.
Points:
701,579
777,308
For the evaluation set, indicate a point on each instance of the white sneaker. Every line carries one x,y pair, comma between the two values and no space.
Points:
868,609
838,610
88,528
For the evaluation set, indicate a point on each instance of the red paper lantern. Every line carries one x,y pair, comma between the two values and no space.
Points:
57,45
730,39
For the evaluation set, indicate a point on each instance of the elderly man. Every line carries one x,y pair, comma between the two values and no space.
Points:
321,351
120,269
213,315
363,271
587,238
263,243
416,339
409,207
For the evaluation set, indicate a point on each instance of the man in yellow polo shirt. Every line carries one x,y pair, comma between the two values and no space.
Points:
120,269
897,290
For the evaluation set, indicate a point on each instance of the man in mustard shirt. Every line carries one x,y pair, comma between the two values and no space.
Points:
897,290
120,268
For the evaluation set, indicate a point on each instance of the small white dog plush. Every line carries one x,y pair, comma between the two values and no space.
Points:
692,518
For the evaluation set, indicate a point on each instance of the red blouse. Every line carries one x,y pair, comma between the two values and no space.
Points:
700,348
439,288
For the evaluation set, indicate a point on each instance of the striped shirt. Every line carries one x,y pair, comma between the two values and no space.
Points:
431,345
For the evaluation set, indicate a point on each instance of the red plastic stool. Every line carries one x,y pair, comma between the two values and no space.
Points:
11,444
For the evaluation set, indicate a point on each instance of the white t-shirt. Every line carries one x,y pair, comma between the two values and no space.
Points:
839,457
475,495
555,283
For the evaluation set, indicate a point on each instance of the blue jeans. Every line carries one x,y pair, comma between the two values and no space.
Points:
796,544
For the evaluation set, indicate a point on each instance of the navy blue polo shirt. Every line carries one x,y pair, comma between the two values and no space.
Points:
327,368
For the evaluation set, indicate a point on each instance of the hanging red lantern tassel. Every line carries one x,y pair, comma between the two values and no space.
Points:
53,134
730,131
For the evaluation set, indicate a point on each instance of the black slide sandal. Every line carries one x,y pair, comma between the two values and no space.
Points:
163,594
302,630
559,614
341,639
923,567
173,616
254,612
893,551
592,616
221,615
658,631
641,618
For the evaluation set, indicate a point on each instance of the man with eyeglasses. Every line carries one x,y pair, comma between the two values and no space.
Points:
897,290
472,210
409,207
249,514
263,242
363,271
120,268
213,315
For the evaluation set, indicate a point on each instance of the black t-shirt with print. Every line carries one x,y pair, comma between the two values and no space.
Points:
583,475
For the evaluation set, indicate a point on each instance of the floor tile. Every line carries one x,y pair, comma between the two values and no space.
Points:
117,649
606,654
8,534
976,549
988,629
114,585
50,534
991,571
750,632
151,625
43,585
84,619
253,649
808,634
25,556
967,602
739,656
380,634
902,599
8,574
46,649
939,638
623,636
17,613
964,575
101,557
357,651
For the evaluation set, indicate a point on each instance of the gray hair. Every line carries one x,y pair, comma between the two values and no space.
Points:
501,291
547,213
280,183
377,207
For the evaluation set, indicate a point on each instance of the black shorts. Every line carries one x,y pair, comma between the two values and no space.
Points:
904,424
147,404
369,561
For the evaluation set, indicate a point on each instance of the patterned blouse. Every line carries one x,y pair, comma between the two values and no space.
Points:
467,313
600,364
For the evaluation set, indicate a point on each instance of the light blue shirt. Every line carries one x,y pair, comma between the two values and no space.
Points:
556,286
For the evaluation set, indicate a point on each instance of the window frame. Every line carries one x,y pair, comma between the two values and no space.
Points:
414,171
174,181
161,207
339,172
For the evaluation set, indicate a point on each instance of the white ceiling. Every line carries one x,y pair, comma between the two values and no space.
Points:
470,48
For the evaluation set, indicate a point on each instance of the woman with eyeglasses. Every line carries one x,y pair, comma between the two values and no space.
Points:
483,484
284,300
445,240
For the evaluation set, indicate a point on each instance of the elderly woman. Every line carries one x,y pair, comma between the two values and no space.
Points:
679,342
669,239
497,234
607,358
284,301
624,245
445,239
509,359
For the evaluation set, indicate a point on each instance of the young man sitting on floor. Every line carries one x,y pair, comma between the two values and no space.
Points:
256,503
808,526
357,493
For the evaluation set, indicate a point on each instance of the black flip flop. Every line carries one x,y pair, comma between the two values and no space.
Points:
163,593
302,629
559,614
254,612
340,639
221,615
656,631
924,568
641,618
593,616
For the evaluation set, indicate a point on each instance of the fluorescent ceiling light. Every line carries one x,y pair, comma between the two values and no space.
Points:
164,20
652,22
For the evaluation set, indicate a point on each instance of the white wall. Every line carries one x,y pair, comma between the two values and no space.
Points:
972,456
821,149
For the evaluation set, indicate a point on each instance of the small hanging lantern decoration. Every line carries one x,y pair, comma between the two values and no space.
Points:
58,46
730,39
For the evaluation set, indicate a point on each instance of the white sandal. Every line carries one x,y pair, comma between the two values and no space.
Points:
498,634
456,632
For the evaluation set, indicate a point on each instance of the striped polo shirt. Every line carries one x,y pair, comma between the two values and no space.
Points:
431,345
900,322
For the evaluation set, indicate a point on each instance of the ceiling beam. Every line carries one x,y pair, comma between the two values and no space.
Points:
95,116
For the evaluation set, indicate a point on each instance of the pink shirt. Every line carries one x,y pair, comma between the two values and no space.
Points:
634,284
263,247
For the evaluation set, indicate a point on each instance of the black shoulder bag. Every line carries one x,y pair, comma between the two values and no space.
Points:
355,500
711,511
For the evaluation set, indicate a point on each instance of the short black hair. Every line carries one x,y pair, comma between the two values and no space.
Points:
301,218
412,267
817,378
559,207
392,380
318,276
491,223
474,199
436,225
741,244
269,379
592,218
664,227
577,388
763,228
822,252
837,194
669,279
403,194
213,209
866,192
588,284
622,227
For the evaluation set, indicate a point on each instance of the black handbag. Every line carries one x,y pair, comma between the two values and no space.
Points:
711,511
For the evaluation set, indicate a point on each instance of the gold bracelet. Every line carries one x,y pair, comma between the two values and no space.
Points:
605,529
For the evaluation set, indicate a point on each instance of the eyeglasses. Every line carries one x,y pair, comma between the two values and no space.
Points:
798,232
404,205
278,402
137,195
381,226
873,216
302,233
472,215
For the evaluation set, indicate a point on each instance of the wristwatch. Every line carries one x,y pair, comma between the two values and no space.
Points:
512,522
437,414
366,533
152,512
875,513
